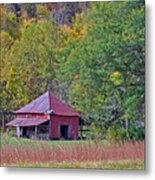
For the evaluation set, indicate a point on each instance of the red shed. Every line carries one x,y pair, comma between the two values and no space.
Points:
46,117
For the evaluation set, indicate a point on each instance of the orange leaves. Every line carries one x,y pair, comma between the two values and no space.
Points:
69,31
73,33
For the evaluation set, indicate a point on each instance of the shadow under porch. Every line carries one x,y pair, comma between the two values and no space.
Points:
39,132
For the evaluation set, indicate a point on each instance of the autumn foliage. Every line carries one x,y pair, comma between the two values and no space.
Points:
89,54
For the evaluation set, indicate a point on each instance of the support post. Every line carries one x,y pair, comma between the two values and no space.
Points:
35,132
126,124
21,132
18,131
49,113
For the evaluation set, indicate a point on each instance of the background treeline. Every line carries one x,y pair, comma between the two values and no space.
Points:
91,55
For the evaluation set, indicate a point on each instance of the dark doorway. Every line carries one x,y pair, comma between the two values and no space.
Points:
24,131
64,131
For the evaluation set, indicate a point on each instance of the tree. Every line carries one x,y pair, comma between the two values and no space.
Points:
92,58
29,65
106,67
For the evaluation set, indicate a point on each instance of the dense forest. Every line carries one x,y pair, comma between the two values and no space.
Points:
89,54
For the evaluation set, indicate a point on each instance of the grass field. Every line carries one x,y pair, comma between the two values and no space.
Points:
71,154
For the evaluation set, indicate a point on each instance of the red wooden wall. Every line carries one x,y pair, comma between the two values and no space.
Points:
31,115
57,121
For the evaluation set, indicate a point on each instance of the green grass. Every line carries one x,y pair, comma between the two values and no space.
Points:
107,165
14,141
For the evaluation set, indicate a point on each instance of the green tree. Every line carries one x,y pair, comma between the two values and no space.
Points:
106,66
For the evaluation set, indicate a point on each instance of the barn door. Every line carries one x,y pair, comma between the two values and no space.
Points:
64,131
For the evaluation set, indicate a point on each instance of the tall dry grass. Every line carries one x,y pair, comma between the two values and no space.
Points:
48,153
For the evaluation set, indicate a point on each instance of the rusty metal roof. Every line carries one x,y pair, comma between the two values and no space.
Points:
24,122
48,101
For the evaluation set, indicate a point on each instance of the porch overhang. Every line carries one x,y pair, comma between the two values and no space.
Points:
25,122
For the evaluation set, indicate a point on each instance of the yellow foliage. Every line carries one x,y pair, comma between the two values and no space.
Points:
76,34
77,86
77,76
6,39
116,78
42,11
2,13
25,24
24,15
70,31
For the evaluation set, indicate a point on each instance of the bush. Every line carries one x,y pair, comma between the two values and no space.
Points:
116,134
136,132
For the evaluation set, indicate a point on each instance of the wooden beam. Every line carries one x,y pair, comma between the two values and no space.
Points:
18,131
35,132
126,124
